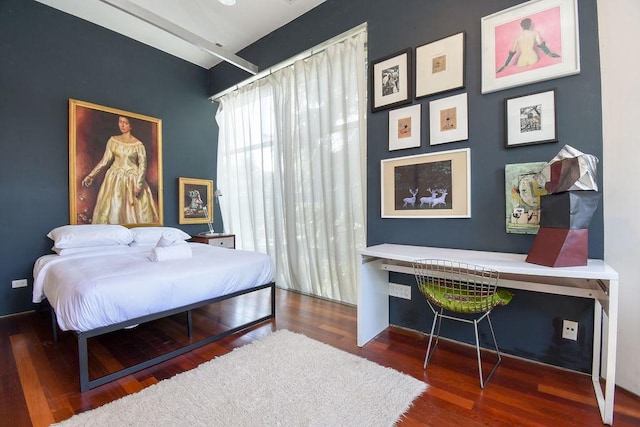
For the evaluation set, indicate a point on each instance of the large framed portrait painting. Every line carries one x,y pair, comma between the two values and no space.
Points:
115,166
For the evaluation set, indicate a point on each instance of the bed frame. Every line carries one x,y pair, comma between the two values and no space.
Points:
87,384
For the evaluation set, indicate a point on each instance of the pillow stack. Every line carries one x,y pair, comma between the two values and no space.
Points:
151,235
69,239
165,243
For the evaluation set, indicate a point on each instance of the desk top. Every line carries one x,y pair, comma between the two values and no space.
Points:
500,261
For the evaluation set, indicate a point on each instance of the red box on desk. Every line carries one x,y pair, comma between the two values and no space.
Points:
560,247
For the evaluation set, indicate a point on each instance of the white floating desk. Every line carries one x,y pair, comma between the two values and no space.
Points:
596,280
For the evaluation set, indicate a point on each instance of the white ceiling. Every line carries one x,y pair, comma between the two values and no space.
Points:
232,27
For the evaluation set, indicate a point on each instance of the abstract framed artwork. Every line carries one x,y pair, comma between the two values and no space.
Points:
195,201
531,119
448,120
404,128
440,65
530,42
432,185
522,196
391,83
115,166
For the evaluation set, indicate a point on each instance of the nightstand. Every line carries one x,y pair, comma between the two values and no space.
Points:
220,239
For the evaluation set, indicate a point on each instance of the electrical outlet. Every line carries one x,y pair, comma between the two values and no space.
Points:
18,283
570,330
400,291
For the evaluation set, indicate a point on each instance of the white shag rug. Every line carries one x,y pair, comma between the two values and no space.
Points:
284,379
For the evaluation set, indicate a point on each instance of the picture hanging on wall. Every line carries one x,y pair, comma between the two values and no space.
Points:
448,120
195,201
115,166
530,42
404,128
391,81
522,196
440,65
432,185
531,119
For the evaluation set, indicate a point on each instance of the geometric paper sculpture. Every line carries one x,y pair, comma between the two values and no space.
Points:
565,213
560,247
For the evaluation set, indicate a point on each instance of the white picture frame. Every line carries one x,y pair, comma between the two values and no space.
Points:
431,185
553,25
448,119
404,128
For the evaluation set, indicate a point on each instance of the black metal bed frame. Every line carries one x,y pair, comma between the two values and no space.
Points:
87,384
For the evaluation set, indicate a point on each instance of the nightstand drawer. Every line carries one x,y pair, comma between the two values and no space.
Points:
228,242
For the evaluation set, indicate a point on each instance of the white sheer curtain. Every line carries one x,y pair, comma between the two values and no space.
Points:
291,163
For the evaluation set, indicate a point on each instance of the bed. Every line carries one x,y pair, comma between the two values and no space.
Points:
111,278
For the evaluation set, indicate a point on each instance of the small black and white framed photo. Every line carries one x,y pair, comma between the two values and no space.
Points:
531,119
391,81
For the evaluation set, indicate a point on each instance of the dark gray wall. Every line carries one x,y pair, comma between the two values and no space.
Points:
49,57
529,326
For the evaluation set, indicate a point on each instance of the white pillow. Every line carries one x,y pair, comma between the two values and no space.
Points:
153,234
92,249
79,236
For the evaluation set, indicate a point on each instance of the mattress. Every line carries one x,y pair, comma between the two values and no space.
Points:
101,287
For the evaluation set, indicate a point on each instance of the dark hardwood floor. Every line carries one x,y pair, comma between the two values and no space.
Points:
39,381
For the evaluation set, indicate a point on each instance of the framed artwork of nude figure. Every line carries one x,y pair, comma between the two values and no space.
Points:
530,42
115,166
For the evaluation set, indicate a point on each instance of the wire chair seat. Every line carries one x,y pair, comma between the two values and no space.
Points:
460,288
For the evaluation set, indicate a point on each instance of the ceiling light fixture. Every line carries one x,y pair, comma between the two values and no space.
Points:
228,2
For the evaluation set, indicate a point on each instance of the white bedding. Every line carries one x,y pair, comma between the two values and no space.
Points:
102,287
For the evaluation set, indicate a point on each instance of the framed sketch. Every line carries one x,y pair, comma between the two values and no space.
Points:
440,65
531,119
391,81
522,196
404,128
195,200
115,166
432,185
530,42
448,120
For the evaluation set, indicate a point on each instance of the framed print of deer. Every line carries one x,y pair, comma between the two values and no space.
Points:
432,185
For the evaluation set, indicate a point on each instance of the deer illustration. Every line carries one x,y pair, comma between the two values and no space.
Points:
427,200
440,199
410,200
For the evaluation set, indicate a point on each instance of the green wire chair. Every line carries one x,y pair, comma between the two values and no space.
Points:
460,288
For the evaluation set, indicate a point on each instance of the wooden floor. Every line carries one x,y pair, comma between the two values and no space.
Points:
39,381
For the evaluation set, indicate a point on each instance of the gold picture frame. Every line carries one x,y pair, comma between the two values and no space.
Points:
195,200
432,185
115,166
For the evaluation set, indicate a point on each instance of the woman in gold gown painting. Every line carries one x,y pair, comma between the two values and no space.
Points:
124,196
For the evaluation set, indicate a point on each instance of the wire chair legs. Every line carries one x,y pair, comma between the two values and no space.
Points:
437,323
437,319
483,382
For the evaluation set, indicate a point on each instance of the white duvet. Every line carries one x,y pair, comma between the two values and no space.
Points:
101,287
